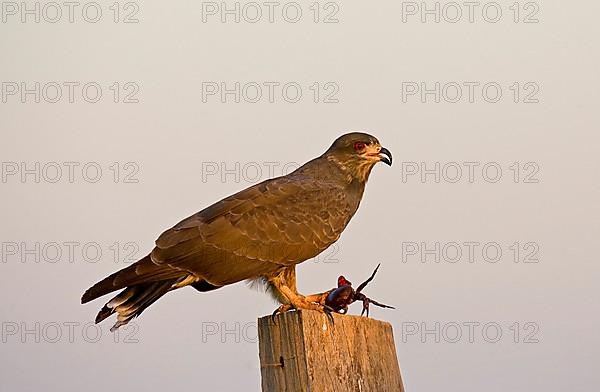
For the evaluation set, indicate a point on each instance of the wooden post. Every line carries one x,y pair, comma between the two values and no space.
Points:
302,351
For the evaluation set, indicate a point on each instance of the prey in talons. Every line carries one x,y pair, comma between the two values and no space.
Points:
339,298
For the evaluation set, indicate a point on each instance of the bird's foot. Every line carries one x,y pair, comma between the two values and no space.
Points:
304,303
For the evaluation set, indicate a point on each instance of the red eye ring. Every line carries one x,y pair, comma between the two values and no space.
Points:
359,146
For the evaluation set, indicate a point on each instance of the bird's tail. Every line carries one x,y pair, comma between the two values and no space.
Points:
132,301
143,282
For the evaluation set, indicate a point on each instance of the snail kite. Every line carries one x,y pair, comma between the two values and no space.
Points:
258,234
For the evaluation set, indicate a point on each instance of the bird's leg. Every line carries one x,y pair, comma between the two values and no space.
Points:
285,285
299,301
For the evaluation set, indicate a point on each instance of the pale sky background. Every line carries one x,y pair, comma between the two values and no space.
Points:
547,312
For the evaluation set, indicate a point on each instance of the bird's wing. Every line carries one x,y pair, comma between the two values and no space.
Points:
276,223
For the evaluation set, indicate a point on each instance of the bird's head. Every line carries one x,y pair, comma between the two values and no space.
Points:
357,153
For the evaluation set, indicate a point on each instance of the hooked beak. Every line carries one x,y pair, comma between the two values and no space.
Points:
385,156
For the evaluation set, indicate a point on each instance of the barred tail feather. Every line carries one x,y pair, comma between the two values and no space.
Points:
132,301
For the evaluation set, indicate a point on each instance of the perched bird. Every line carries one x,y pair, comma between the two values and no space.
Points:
258,234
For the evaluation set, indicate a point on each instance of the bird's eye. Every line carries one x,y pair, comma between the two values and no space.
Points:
359,146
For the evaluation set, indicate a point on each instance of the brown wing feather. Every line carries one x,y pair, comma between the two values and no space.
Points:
257,231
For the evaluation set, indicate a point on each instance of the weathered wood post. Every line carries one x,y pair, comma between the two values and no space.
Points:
302,351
